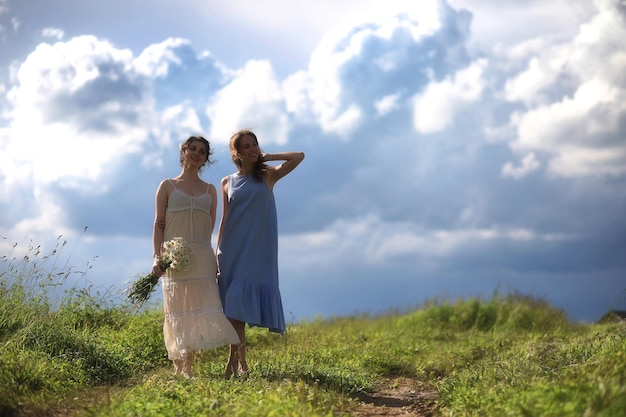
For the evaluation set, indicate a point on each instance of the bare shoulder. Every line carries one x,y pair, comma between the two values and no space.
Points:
165,185
224,183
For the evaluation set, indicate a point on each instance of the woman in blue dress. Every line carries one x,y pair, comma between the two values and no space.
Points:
247,242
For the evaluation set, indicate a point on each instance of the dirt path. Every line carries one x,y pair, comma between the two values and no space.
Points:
392,396
397,396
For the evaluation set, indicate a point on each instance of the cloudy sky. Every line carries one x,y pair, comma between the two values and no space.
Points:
454,149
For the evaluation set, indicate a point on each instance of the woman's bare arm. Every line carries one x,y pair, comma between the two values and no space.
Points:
292,160
224,190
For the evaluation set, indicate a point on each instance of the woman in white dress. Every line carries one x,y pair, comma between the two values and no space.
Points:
185,206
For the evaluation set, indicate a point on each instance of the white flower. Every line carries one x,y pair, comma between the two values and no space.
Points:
176,256
179,253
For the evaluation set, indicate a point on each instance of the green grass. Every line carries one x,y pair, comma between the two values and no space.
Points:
86,355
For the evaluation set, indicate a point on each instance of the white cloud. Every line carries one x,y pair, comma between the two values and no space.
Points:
58,89
54,33
98,128
184,117
155,60
321,88
405,239
436,108
500,23
589,162
252,99
541,73
575,129
575,107
60,70
372,241
175,122
307,20
313,97
297,99
49,218
529,164
76,110
544,127
363,70
387,104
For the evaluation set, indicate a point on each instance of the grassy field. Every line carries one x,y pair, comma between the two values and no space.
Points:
511,355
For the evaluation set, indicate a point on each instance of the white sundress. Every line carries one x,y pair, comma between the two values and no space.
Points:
194,319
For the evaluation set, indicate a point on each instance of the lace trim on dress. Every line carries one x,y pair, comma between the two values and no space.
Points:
187,194
192,206
200,312
172,281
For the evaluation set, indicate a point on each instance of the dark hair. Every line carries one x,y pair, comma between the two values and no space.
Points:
189,141
260,167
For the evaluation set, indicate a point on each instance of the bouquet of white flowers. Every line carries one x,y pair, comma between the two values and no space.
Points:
176,255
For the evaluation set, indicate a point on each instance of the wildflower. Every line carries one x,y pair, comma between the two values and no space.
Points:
176,256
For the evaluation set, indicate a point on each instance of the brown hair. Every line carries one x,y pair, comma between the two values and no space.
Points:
189,141
260,168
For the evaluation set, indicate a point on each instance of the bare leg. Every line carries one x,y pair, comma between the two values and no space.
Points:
178,366
231,365
241,356
187,363
237,353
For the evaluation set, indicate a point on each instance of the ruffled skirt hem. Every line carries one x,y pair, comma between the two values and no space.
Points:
256,304
192,333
